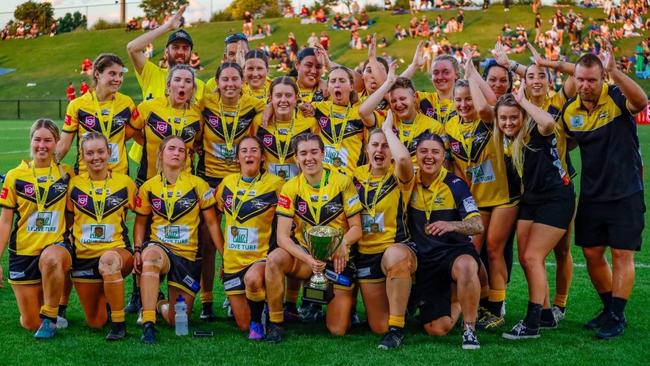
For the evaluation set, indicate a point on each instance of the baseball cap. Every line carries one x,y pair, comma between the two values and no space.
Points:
236,37
180,36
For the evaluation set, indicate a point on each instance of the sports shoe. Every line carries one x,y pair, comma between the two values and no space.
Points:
256,331
549,324
391,340
291,316
274,333
469,339
47,330
355,320
61,322
613,327
487,320
207,313
558,313
139,321
148,333
135,304
311,313
118,331
598,321
521,331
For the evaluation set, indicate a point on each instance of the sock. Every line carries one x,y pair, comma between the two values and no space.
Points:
117,316
495,301
485,293
49,312
62,309
149,316
533,316
560,301
206,297
395,321
257,307
276,317
606,298
547,316
291,307
618,306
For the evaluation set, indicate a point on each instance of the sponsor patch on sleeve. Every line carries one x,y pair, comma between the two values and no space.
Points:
353,200
469,204
135,114
284,201
68,120
4,193
138,201
208,194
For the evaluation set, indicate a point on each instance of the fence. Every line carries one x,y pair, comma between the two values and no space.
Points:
34,108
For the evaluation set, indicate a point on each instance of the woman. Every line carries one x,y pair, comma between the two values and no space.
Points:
478,160
39,254
97,204
547,204
104,110
385,264
318,196
310,70
256,70
174,114
173,201
248,201
286,122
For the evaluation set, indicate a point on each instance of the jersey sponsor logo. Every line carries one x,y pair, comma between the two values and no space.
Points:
138,201
577,121
14,275
191,283
89,121
68,120
157,203
302,207
323,121
267,140
208,194
284,201
161,127
4,193
232,283
354,199
455,147
469,204
29,189
242,238
82,200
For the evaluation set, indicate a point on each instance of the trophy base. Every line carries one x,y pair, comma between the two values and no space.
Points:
318,295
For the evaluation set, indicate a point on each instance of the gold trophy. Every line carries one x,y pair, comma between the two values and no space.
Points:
322,242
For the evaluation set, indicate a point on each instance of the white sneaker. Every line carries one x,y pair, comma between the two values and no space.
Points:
139,321
61,322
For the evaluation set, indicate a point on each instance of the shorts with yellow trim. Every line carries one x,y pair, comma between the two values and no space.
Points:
23,269
369,268
233,283
183,274
87,269
213,182
514,202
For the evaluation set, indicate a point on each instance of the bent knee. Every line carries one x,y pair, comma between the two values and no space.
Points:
30,323
110,263
96,323
438,328
337,329
378,328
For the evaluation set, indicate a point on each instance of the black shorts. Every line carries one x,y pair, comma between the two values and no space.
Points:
346,279
556,209
369,268
233,283
433,280
617,224
87,269
183,274
213,182
23,269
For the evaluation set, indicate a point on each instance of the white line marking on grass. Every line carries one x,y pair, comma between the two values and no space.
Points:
584,265
14,151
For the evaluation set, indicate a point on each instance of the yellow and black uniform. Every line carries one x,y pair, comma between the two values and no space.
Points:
548,196
442,110
224,128
331,203
310,95
344,135
261,94
99,209
447,198
611,207
175,226
38,197
410,132
110,118
158,120
381,110
553,104
383,219
153,82
279,155
250,235
475,153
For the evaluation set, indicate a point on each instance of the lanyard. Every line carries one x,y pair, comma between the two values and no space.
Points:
442,119
229,136
315,211
283,151
428,209
106,126
236,207
372,207
405,138
41,200
467,143
99,199
309,94
176,131
338,138
170,203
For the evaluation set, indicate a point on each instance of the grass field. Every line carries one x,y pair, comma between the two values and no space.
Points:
311,344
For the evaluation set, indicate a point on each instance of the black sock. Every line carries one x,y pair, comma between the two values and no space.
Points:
257,307
62,309
495,307
291,307
394,328
533,316
606,298
547,316
618,306
136,288
484,302
562,308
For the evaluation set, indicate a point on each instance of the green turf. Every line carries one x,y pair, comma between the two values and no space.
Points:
310,344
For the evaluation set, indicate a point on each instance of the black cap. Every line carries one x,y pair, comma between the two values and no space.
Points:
235,37
180,36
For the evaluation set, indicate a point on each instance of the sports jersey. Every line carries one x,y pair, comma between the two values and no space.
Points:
476,155
439,109
38,197
410,133
220,144
109,118
381,110
158,120
446,199
385,200
343,133
542,171
279,155
175,209
248,237
99,209
553,105
310,95
309,206
609,146
261,94
153,82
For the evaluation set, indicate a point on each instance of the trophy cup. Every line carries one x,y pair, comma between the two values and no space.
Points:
322,241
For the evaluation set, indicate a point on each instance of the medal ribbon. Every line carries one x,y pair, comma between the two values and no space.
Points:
169,202
467,143
41,200
229,136
338,138
99,199
284,151
406,140
316,208
236,206
436,186
176,131
372,207
106,126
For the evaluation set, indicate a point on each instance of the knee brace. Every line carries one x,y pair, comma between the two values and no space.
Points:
258,295
155,263
110,264
399,270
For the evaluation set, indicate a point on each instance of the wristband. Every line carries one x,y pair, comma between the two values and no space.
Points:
513,66
137,249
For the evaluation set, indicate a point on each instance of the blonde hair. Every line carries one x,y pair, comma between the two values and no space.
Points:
94,135
170,76
161,148
518,145
47,124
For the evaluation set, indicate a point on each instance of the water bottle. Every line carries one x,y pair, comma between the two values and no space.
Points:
181,317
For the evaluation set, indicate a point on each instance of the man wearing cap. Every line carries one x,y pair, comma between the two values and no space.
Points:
233,44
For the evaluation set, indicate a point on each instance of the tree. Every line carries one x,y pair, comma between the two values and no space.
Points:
70,22
238,7
35,13
160,8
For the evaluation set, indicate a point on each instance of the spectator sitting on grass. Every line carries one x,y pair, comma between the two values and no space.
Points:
399,33
324,40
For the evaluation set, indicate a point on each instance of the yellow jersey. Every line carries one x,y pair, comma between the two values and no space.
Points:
175,209
153,82
110,118
249,235
158,120
38,197
442,110
262,94
99,209
410,133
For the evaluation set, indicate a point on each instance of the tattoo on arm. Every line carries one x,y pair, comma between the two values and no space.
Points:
471,226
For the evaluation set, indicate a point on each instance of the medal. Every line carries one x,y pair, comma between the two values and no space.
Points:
337,138
428,206
374,227
99,199
337,162
106,126
229,135
41,199
170,202
283,151
371,206
237,205
315,207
